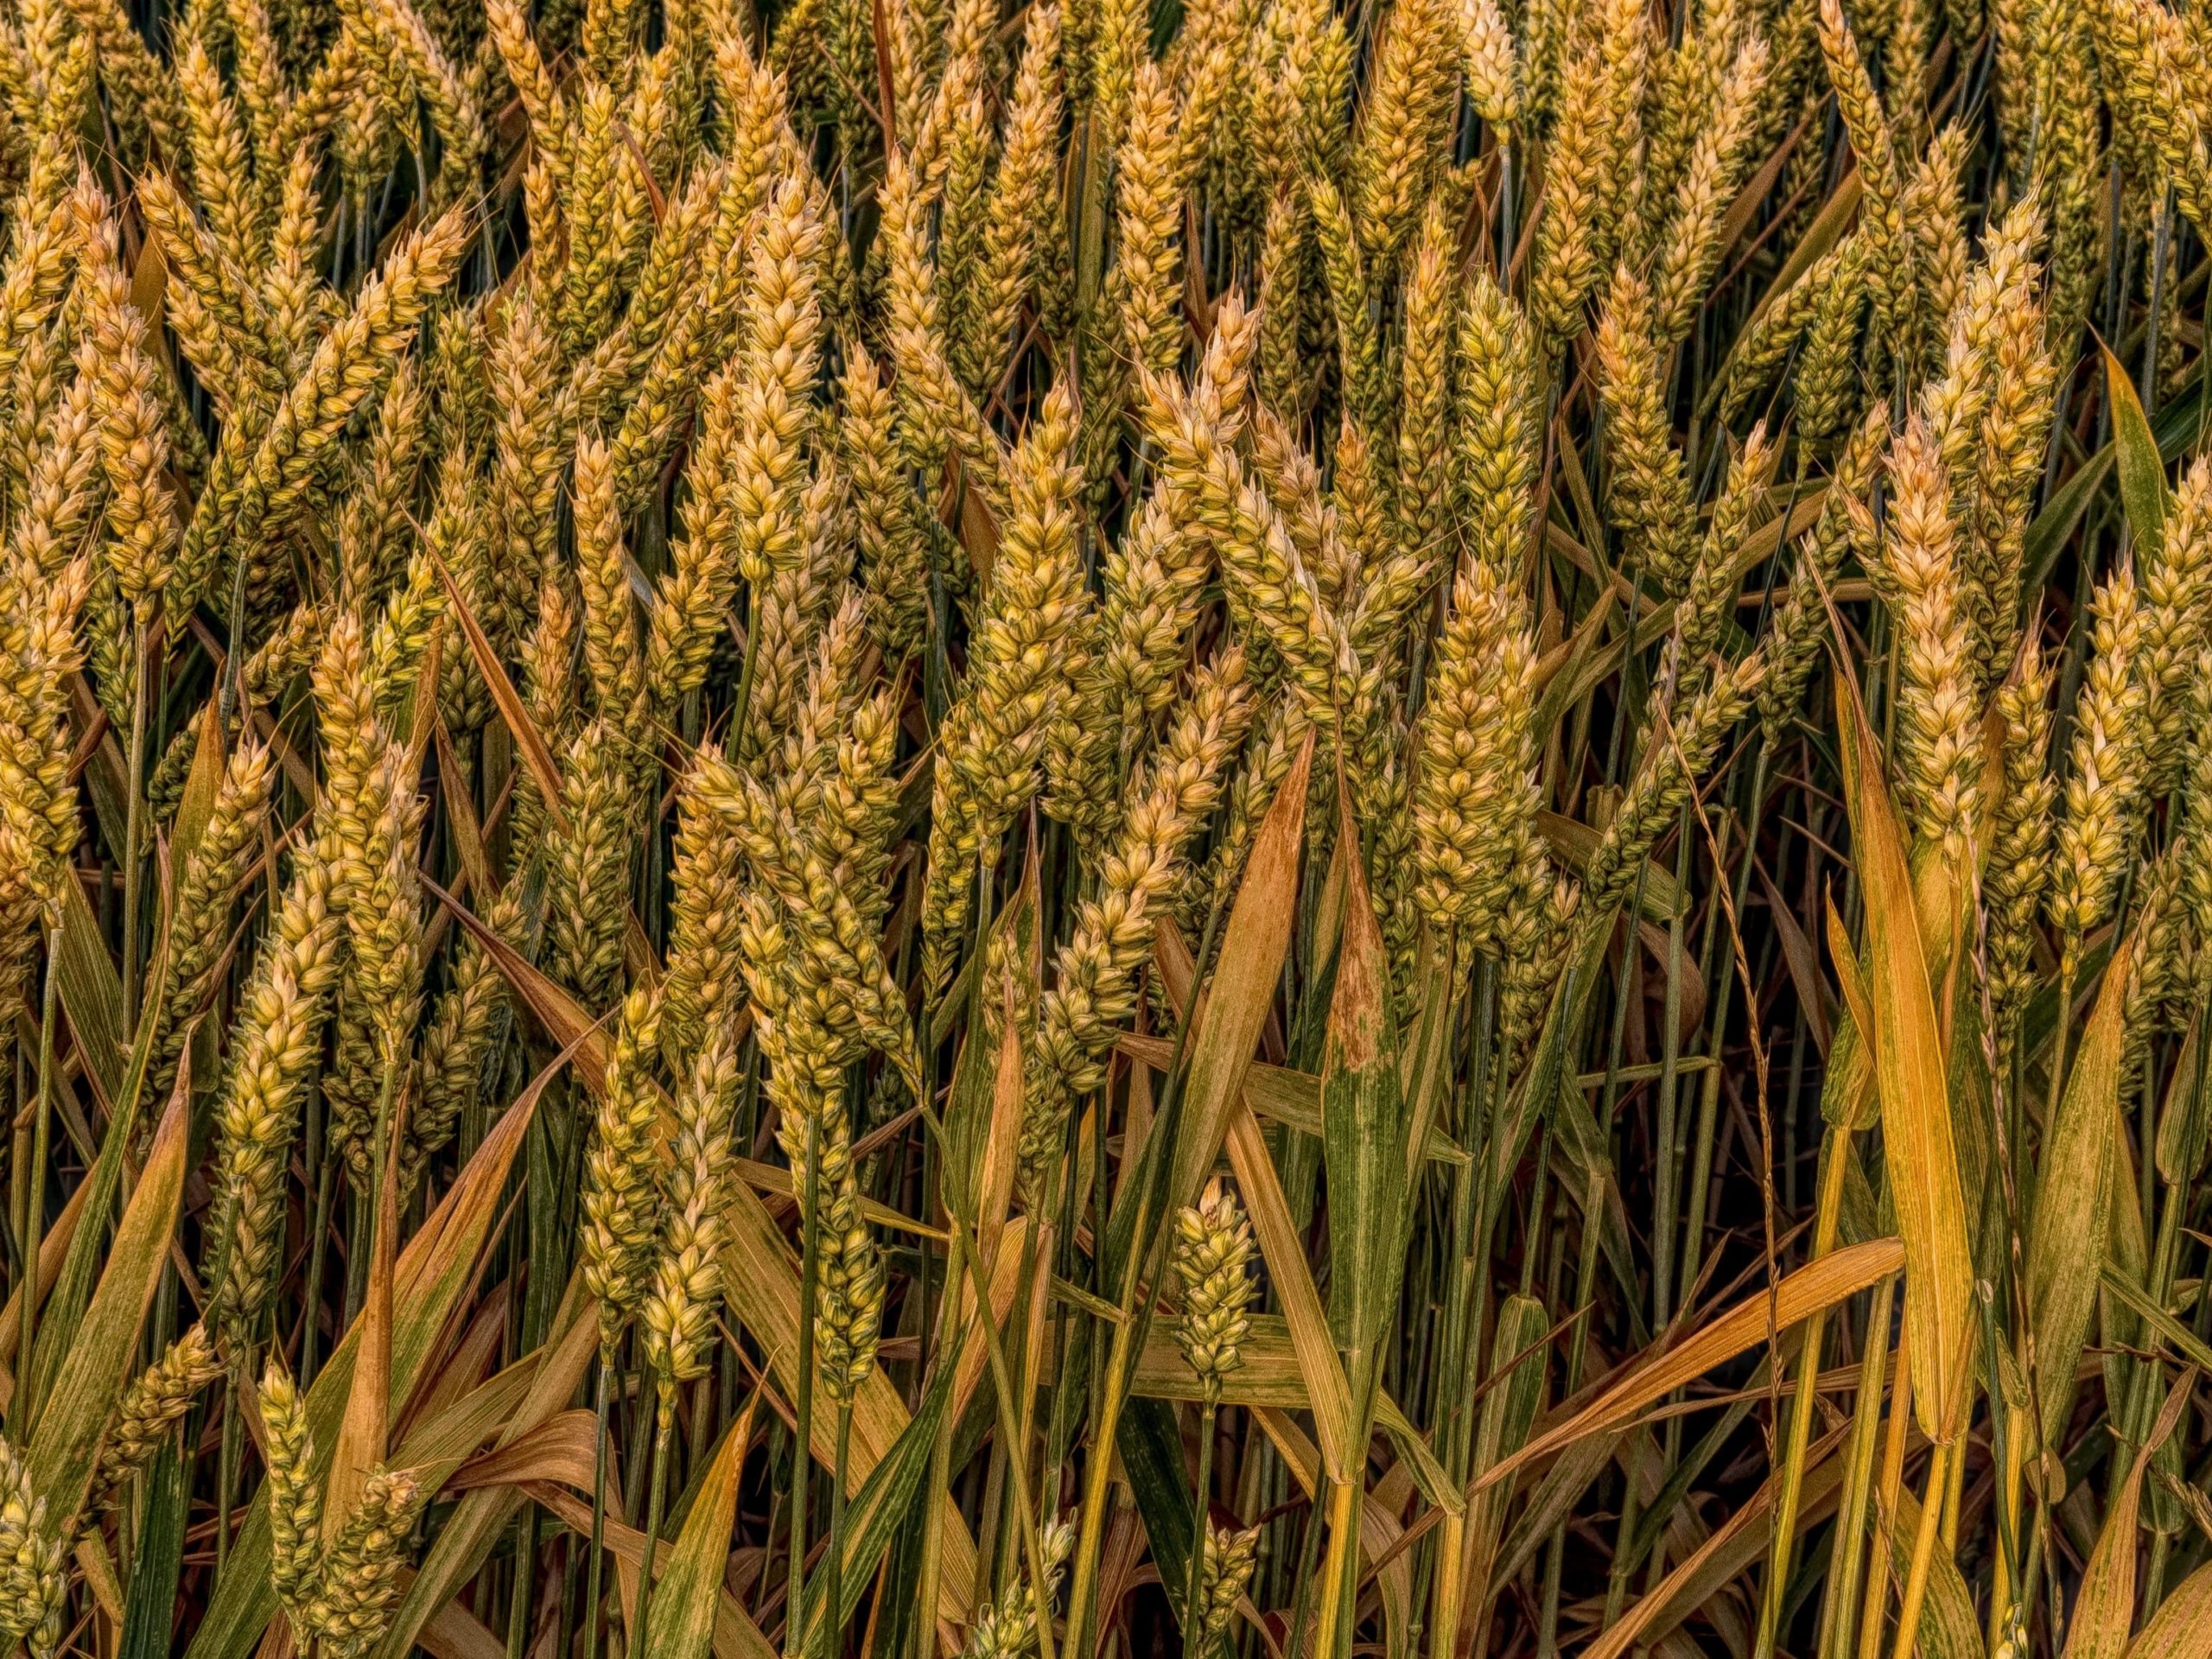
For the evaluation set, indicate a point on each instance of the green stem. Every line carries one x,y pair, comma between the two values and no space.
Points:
940,1476
226,1466
1013,1423
1801,1405
134,832
834,1569
1193,1623
25,1413
594,1572
803,1446
658,1491
1847,1553
321,1223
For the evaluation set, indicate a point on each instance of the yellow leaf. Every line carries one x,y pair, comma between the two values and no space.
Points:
1814,1287
1911,1073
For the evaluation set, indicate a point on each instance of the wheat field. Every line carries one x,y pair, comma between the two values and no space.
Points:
885,829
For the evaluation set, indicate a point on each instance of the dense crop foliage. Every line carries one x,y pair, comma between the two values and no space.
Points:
896,828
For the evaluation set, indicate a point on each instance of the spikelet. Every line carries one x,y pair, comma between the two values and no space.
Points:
784,324
39,650
1121,46
2153,101
1675,753
1350,300
621,1220
359,1581
32,1581
1935,699
2104,784
1224,1574
1497,425
374,520
818,842
1492,67
1144,288
1272,593
290,302
2176,613
295,1493
1406,123
993,741
894,548
1689,248
1649,499
150,1408
2196,837
1830,374
1474,794
2006,468
2019,851
274,1046
792,609
543,102
1701,614
1769,337
1114,931
587,864
849,1317
1892,265
1423,487
1799,622
1569,254
42,245
134,446
1007,1629
678,1312
338,1593
704,985
936,415
528,457
287,653
368,833
200,916
460,1035
1213,1252
1288,378
1533,942
1154,579
612,650
413,53
383,917
693,600
963,199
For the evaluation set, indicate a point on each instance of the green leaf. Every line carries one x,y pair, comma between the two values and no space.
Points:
201,785
104,1344
1363,1139
2142,469
2073,1202
150,1610
875,1513
1911,1076
1508,1412
91,995
1152,1457
681,1622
